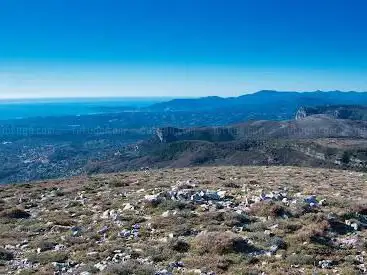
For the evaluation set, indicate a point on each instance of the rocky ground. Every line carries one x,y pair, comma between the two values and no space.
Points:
226,220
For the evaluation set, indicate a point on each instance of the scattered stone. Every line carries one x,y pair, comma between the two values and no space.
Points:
128,206
213,209
352,224
176,264
326,264
103,230
163,272
100,266
76,231
312,201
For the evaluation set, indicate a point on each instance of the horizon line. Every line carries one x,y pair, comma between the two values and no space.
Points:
163,97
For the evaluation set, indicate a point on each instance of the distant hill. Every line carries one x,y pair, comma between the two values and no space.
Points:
315,141
353,112
313,126
273,100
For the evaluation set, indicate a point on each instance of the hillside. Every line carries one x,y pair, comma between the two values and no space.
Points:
313,126
224,220
353,112
315,141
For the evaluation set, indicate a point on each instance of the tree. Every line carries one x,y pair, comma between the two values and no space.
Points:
345,157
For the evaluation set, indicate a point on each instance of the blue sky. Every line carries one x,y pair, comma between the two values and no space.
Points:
55,48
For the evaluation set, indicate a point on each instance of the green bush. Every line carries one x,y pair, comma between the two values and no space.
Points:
5,255
179,245
15,213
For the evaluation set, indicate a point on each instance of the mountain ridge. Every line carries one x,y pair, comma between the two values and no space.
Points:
264,96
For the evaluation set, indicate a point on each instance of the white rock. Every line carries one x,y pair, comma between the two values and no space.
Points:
354,226
151,198
105,215
163,240
128,206
166,214
274,226
100,266
221,194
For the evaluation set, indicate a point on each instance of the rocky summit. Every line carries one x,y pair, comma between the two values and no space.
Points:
223,220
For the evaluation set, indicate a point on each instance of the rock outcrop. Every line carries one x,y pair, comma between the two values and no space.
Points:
301,113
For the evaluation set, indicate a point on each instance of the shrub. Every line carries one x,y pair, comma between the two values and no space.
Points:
259,237
74,204
15,213
257,226
118,183
59,193
232,185
312,231
158,252
183,230
234,219
279,242
359,208
48,257
267,209
179,245
63,221
345,159
290,226
5,255
174,205
221,243
45,245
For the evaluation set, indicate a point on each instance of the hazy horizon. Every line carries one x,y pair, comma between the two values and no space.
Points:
138,98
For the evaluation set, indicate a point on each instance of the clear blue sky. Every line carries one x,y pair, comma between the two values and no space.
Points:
180,47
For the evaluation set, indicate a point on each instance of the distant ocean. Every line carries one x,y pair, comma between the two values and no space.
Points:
27,108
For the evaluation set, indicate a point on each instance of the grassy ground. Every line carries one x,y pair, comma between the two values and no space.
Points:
109,224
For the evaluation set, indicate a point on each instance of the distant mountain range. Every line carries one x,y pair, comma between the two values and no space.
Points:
263,105
270,99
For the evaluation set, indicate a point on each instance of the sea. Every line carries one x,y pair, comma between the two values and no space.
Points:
45,107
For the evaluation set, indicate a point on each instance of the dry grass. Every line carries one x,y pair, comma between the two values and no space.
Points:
220,243
212,238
